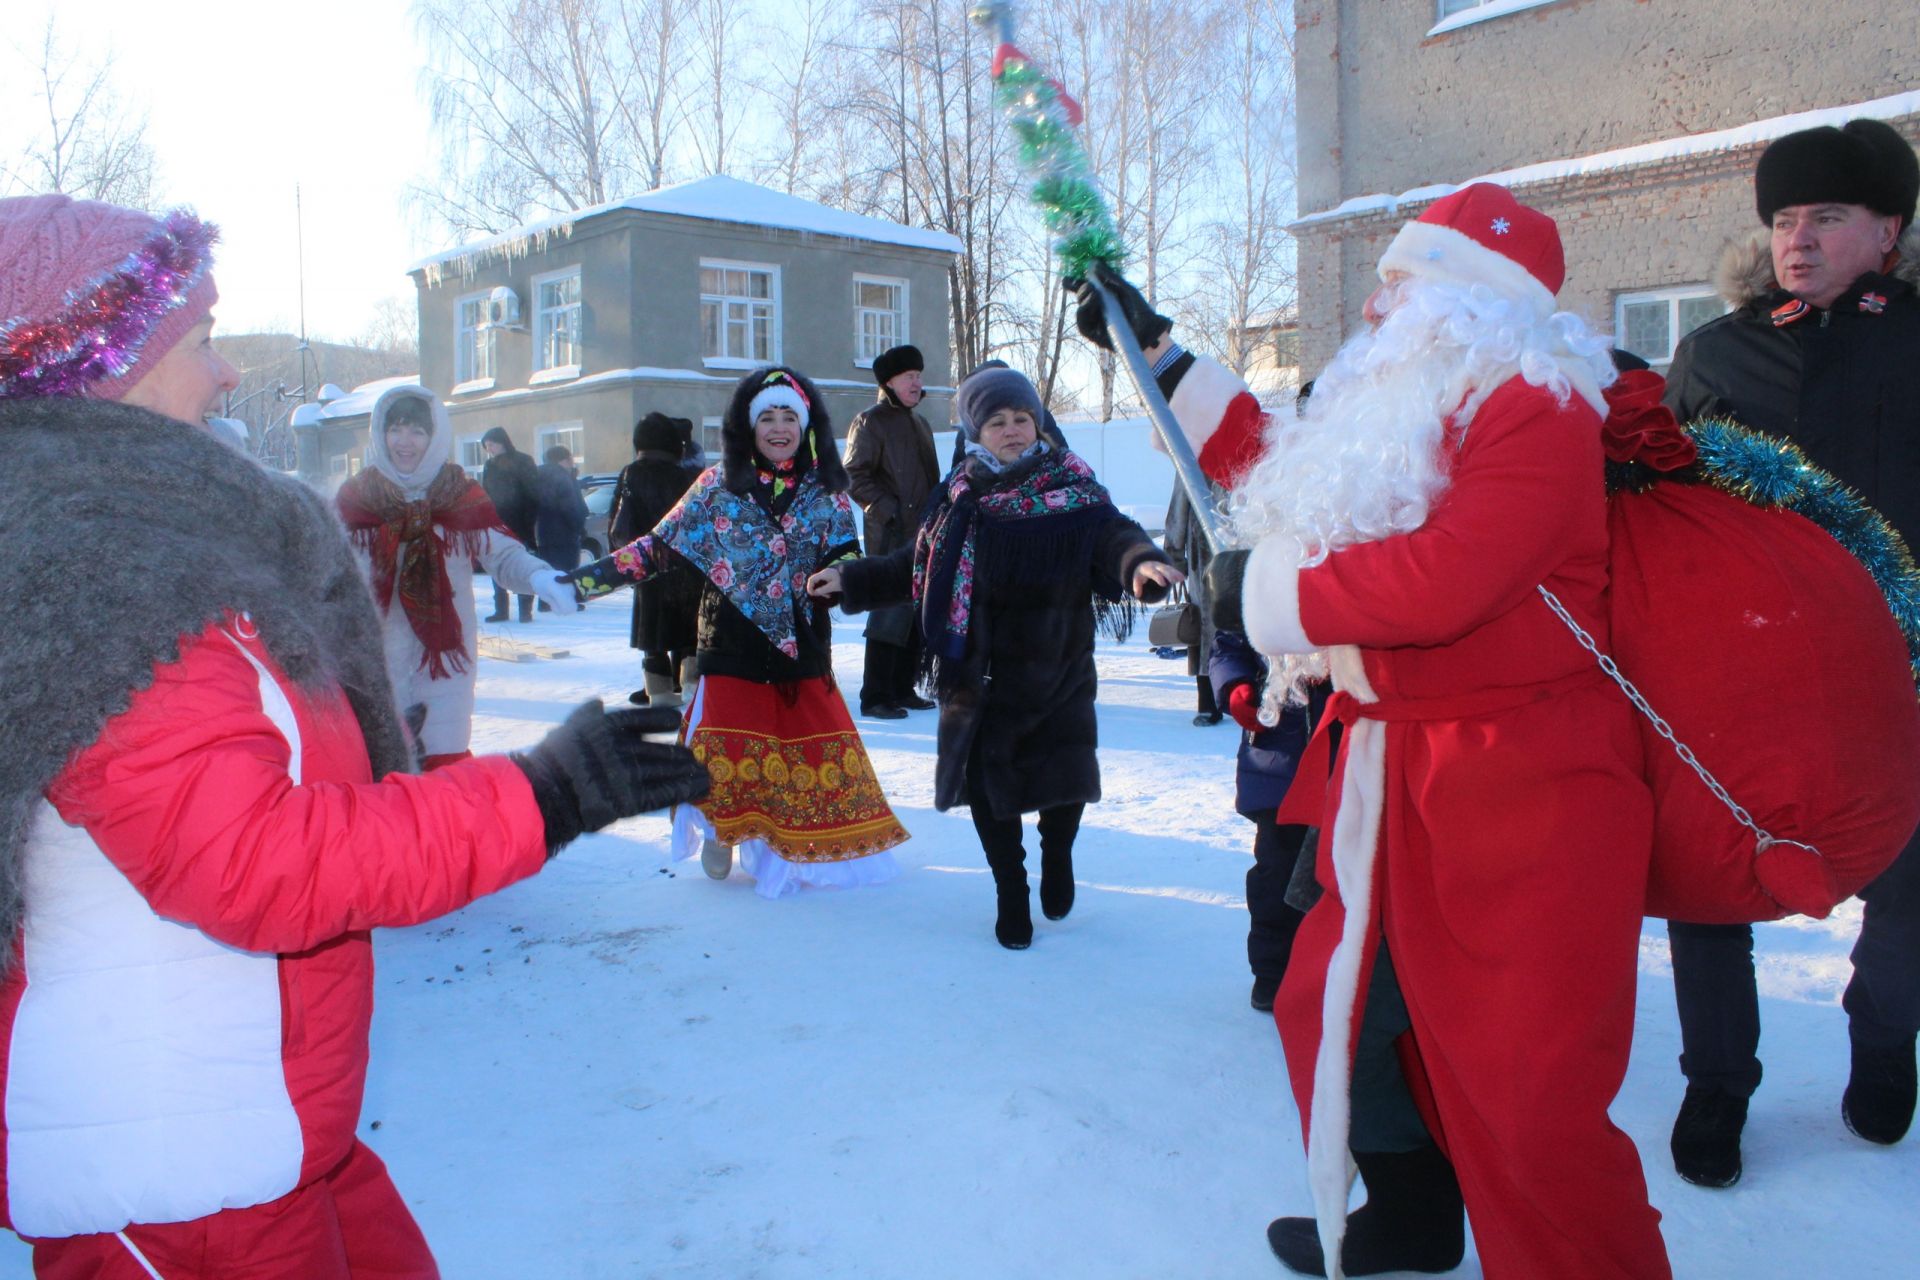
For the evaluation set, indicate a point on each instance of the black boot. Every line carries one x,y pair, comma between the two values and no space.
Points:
1014,925
1413,1220
1878,1103
1058,827
1706,1136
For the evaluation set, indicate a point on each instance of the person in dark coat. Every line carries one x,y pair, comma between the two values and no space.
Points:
892,467
1821,347
663,606
1262,774
1020,557
510,479
562,520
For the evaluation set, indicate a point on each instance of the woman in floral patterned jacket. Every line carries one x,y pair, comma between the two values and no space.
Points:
1021,556
793,789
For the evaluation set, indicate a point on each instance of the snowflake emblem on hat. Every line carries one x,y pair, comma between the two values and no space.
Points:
1501,226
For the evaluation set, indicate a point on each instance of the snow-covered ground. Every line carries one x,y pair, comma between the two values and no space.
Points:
623,1069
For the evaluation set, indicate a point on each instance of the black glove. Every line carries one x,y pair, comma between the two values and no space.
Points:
1225,572
598,767
1148,325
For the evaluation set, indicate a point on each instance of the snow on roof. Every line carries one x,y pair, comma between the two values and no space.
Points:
361,399
715,199
1890,107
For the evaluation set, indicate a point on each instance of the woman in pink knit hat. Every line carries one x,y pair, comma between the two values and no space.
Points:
206,799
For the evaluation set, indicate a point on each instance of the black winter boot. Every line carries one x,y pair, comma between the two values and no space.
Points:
1706,1136
1413,1220
1058,827
1878,1103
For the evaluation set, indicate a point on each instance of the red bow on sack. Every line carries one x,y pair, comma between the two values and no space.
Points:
1639,428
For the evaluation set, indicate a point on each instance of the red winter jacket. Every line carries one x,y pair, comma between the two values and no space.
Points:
185,1027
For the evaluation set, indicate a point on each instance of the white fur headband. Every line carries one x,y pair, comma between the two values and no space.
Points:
777,395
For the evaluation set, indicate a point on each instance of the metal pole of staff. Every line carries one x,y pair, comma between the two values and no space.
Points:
1186,467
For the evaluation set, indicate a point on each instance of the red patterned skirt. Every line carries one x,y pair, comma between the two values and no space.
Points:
789,770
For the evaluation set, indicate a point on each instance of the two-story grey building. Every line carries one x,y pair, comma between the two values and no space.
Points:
568,331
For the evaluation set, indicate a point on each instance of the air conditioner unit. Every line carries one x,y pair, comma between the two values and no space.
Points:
503,308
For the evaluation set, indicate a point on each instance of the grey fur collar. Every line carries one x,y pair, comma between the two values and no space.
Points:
126,531
1744,273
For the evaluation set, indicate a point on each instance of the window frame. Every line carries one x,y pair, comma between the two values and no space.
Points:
460,445
1672,296
773,300
902,332
541,312
480,350
1478,11
547,434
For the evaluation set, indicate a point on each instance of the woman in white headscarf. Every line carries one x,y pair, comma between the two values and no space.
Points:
419,523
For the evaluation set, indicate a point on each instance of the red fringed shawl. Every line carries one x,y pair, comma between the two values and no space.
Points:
453,518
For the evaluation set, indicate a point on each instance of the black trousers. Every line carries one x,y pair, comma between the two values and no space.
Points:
888,676
1271,923
1385,1118
664,662
1719,1003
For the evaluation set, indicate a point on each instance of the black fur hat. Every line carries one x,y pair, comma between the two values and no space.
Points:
659,433
1864,162
894,361
736,431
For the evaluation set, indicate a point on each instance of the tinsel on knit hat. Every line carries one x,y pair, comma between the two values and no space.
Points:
1481,235
1863,162
894,361
986,392
92,295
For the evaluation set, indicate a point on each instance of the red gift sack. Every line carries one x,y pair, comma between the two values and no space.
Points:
1772,654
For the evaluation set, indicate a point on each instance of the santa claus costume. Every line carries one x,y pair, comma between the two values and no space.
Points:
1487,820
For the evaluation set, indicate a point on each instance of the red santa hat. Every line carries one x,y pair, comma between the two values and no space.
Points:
1481,235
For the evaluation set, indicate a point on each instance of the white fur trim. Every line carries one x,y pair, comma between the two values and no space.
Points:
1433,252
1356,838
772,397
1200,402
1270,598
1348,671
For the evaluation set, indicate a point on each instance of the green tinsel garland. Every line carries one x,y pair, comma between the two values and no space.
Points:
1069,203
1772,473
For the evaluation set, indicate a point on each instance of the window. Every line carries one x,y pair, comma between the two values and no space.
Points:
573,435
710,439
473,345
1651,324
879,316
556,323
1453,14
739,313
471,454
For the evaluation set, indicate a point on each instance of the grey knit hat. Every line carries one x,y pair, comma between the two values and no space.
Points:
986,392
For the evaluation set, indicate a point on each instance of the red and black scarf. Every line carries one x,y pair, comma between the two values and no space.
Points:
453,517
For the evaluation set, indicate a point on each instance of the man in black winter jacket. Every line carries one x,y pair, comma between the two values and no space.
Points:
509,478
1823,348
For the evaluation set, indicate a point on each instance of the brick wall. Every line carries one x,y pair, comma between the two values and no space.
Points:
1528,88
1384,107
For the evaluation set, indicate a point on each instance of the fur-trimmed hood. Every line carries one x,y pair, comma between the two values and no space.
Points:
126,533
736,434
1744,273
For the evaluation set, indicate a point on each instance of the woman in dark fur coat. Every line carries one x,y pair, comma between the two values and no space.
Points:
793,789
1021,555
663,606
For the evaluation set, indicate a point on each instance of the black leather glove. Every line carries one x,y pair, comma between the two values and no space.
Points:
1225,572
1148,325
598,767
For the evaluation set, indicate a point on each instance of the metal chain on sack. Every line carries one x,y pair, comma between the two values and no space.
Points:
1763,839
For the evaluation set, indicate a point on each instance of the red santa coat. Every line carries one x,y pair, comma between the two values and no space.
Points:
185,1029
1490,813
